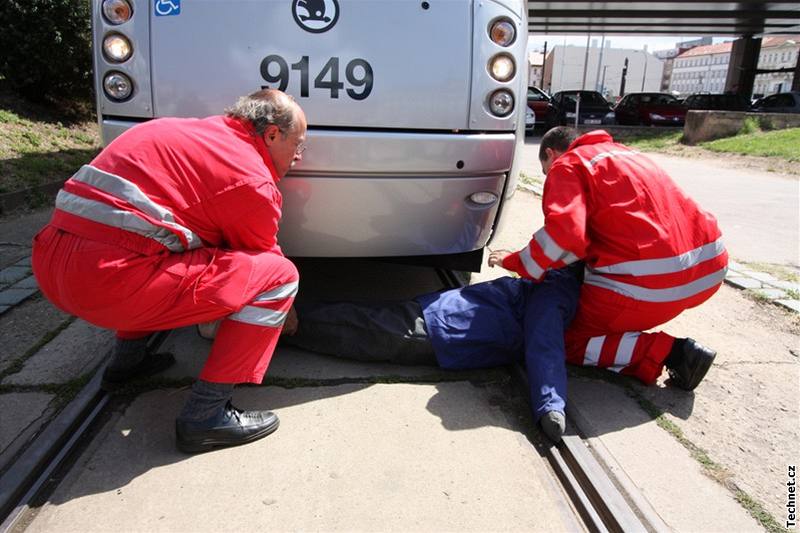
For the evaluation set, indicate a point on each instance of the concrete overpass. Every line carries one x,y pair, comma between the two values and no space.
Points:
746,20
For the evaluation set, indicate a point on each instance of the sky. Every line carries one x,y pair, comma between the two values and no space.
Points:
636,42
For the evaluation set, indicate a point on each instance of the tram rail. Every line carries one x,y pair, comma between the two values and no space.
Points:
602,496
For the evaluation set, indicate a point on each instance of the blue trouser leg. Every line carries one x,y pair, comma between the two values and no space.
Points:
550,308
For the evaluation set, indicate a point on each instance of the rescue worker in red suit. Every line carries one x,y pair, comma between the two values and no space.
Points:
650,252
175,223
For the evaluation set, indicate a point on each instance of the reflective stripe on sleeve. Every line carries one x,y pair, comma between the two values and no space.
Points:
593,349
613,153
667,265
129,192
118,218
644,294
531,266
551,249
625,351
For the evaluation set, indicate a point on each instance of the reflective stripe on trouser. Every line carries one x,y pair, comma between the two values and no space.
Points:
117,289
246,339
607,332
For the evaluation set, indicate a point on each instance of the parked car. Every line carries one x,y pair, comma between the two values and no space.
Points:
716,102
530,120
594,109
537,101
650,109
778,103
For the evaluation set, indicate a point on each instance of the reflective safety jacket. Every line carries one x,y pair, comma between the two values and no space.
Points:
638,233
171,185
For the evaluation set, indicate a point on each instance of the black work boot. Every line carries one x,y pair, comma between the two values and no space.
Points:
228,427
688,362
553,424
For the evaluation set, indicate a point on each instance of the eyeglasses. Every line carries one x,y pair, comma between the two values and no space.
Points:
299,149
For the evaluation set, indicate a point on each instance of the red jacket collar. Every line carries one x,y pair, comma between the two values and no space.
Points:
593,137
245,128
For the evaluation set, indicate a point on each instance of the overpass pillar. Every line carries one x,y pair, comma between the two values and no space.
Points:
742,66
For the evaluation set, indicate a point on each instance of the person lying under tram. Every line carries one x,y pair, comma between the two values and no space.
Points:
175,223
490,324
650,253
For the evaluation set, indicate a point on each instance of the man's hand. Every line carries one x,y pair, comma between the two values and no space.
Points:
496,257
290,326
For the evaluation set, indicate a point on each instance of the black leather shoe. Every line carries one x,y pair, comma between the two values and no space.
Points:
230,427
690,363
153,363
553,424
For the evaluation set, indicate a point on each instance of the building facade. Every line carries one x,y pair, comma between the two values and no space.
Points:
702,69
535,64
705,68
776,53
564,70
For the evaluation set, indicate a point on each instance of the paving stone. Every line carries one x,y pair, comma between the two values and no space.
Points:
736,266
24,262
27,283
785,285
744,283
762,276
75,351
12,296
772,294
13,274
793,305
24,325
24,413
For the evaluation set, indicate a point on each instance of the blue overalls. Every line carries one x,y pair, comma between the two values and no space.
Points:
506,321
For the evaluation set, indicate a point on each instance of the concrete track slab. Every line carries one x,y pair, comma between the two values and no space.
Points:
680,492
23,414
72,353
356,457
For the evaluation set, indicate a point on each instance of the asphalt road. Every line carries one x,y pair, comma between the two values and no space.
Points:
759,212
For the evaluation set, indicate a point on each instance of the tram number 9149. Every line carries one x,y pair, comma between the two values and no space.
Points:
358,72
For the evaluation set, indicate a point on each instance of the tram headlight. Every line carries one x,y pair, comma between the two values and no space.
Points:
502,67
117,86
501,102
503,32
117,11
117,47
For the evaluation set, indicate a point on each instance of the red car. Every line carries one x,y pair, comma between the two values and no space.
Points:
537,101
650,109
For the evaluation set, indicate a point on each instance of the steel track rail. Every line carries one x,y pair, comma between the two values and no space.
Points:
591,489
21,483
593,493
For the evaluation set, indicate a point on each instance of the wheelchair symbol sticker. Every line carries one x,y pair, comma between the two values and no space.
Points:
167,8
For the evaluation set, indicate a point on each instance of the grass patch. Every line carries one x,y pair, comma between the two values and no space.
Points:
529,179
39,145
655,141
779,271
784,144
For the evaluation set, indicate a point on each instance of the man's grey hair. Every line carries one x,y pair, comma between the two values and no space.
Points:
558,139
266,107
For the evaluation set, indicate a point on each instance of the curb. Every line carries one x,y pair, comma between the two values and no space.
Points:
785,294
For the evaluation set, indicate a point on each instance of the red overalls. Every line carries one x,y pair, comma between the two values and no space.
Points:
175,223
650,253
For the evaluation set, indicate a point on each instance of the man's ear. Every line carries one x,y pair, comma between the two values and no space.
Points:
271,134
550,153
